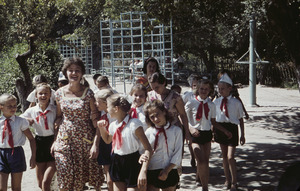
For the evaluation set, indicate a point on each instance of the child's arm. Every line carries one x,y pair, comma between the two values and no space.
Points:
242,127
163,175
180,108
142,179
221,128
107,138
30,137
95,148
30,120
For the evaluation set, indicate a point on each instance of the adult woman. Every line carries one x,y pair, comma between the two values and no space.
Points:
150,66
74,150
172,100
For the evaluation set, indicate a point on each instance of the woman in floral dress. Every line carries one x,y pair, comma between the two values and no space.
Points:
75,150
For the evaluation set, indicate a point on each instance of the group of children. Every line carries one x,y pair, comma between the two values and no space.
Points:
139,147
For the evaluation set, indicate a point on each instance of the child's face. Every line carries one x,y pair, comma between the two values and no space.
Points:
101,85
9,108
157,117
151,68
101,104
139,98
111,110
204,90
43,95
224,89
74,73
194,85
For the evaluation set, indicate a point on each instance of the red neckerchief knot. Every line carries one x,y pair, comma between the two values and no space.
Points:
161,130
44,115
104,117
200,110
117,138
10,137
133,112
224,106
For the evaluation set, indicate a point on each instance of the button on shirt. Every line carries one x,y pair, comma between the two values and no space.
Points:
163,154
130,141
235,110
18,125
191,108
40,129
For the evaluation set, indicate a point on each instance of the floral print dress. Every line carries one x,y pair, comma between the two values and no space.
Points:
74,141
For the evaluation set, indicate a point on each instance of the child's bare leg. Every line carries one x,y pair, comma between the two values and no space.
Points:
48,175
119,186
193,163
232,164
16,179
224,149
152,188
108,179
3,181
40,170
169,188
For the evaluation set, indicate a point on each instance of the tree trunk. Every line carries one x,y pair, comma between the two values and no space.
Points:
24,86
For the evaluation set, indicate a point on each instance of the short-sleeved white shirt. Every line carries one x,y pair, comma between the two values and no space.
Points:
191,108
187,96
18,125
141,116
163,154
39,127
130,141
235,110
32,97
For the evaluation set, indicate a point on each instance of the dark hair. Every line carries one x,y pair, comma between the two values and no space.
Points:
120,101
157,77
138,87
151,59
74,60
95,76
176,87
156,104
102,79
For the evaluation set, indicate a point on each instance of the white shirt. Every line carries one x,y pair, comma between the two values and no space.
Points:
191,108
235,110
141,116
18,125
32,97
187,96
131,142
163,154
39,127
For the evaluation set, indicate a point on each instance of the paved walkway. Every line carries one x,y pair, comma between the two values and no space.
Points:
272,144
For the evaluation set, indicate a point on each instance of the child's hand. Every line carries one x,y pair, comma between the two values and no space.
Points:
163,175
143,158
142,180
32,162
94,152
102,124
52,150
242,140
30,120
194,132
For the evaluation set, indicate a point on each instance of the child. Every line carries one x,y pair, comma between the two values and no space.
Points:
35,81
62,80
139,95
104,149
201,113
14,131
176,88
229,114
167,142
126,135
102,82
41,117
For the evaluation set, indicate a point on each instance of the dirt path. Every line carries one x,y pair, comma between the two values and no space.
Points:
272,144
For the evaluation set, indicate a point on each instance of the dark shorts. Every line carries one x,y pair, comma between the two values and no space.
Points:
43,147
125,168
104,157
221,138
205,137
12,163
172,180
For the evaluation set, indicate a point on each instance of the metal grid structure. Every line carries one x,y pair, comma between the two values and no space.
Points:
75,46
134,37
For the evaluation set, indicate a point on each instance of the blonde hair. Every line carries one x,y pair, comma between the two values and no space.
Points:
44,85
103,94
6,97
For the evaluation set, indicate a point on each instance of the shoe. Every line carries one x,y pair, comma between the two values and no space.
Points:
227,185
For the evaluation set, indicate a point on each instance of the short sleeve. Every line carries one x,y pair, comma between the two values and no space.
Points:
24,124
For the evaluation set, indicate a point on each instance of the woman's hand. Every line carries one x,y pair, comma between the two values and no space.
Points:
94,152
